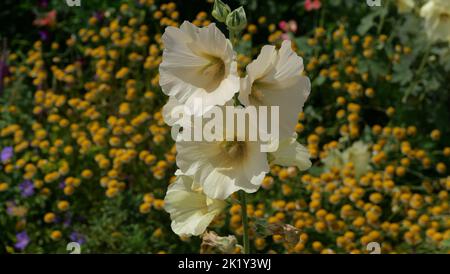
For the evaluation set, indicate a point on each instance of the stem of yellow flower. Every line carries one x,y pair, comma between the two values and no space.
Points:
245,237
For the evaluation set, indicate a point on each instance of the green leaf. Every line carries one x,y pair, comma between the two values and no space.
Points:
402,71
319,81
310,112
315,170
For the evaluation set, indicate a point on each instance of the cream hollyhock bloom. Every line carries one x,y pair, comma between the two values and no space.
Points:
334,159
198,63
405,6
358,154
224,167
170,118
190,209
291,153
274,79
437,19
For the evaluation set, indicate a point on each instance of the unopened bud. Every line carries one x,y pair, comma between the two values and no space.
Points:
220,11
237,20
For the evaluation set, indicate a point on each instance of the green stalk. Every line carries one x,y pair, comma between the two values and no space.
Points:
233,37
242,195
383,18
245,237
418,72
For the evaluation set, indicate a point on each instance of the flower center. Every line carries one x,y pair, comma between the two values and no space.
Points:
256,93
214,72
444,16
234,149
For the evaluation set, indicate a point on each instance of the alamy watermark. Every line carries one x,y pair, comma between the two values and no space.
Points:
228,123
74,248
373,3
73,3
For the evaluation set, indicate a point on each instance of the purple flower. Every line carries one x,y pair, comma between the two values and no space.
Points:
67,220
4,71
22,240
44,35
4,68
26,188
99,15
43,3
10,205
77,237
6,154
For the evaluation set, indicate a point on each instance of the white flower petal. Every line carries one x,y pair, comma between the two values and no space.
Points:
168,111
274,79
198,64
291,153
223,167
190,210
437,19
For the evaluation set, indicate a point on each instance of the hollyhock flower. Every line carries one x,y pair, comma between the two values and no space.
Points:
198,63
224,166
170,118
404,6
190,209
274,79
6,154
358,154
334,159
437,19
312,5
291,153
26,188
22,240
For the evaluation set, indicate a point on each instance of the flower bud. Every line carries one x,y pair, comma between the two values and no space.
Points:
220,11
237,20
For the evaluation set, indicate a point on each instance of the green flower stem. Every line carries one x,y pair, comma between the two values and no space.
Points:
246,240
242,195
383,18
418,72
322,17
233,37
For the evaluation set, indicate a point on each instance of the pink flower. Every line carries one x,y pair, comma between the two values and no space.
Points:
293,26
48,20
312,5
283,25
